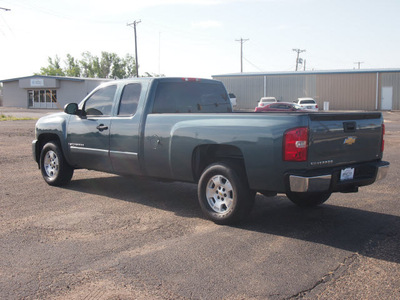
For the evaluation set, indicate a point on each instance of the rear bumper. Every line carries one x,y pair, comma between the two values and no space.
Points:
329,180
309,184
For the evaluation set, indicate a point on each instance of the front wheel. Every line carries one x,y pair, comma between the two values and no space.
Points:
55,169
224,195
308,199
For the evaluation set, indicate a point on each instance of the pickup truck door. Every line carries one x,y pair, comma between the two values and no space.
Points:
88,135
124,132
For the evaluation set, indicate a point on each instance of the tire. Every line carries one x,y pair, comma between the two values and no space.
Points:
308,199
55,169
223,194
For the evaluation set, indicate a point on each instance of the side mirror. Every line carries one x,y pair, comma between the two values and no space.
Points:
71,108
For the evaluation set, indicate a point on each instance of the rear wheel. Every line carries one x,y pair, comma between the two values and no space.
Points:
55,169
224,195
308,199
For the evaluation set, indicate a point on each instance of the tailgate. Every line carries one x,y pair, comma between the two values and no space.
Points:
338,139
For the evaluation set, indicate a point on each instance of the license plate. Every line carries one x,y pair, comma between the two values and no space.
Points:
347,174
309,107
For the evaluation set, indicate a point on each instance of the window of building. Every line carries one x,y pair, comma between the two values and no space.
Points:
42,98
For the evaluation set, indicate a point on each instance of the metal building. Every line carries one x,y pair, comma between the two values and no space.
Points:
377,89
40,91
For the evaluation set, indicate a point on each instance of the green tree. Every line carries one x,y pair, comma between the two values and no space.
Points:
147,74
72,67
87,65
130,66
106,64
53,69
109,65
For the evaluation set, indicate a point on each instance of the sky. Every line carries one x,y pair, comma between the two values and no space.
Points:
199,38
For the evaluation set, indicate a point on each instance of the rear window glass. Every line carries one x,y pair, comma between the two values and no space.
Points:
129,99
191,97
307,102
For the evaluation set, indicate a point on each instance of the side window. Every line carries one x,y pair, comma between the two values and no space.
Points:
129,99
100,103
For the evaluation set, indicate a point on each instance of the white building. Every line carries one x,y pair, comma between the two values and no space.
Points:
370,89
40,91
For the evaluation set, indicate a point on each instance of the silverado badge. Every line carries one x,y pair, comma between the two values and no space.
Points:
350,140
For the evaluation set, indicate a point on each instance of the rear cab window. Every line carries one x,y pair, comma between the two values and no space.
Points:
191,97
129,100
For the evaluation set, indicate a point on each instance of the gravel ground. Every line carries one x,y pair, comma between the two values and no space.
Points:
109,237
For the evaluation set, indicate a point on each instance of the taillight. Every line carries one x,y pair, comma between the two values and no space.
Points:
316,106
383,138
295,144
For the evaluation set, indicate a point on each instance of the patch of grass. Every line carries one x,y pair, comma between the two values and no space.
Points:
12,118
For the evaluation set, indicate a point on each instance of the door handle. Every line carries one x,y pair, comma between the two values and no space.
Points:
102,127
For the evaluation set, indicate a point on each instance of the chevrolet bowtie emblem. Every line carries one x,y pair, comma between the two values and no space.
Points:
350,140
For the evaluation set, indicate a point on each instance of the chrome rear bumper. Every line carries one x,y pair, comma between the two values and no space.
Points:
309,184
322,183
382,172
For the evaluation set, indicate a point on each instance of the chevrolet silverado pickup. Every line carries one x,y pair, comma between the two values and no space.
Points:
183,129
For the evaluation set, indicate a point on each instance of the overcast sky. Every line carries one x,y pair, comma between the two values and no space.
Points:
197,38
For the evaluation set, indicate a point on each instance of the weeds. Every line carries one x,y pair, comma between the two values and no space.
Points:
12,118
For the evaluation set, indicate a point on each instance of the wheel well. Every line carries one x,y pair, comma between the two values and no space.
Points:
43,140
206,155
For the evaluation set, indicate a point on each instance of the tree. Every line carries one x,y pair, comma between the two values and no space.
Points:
109,65
53,69
106,64
130,66
72,69
87,65
147,74
119,68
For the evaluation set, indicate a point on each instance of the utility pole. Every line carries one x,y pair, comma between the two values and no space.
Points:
297,59
359,63
133,24
242,41
159,53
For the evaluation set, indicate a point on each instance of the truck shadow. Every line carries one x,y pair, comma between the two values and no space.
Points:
340,227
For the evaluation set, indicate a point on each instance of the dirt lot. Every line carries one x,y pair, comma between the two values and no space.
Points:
108,237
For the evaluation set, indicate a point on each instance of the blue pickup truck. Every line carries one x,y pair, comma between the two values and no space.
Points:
183,129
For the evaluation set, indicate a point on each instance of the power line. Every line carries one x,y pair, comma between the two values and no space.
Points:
6,9
252,64
133,24
297,59
242,41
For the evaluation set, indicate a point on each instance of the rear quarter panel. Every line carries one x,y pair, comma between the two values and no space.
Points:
170,140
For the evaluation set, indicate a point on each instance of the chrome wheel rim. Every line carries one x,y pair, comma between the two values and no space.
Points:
219,194
51,164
